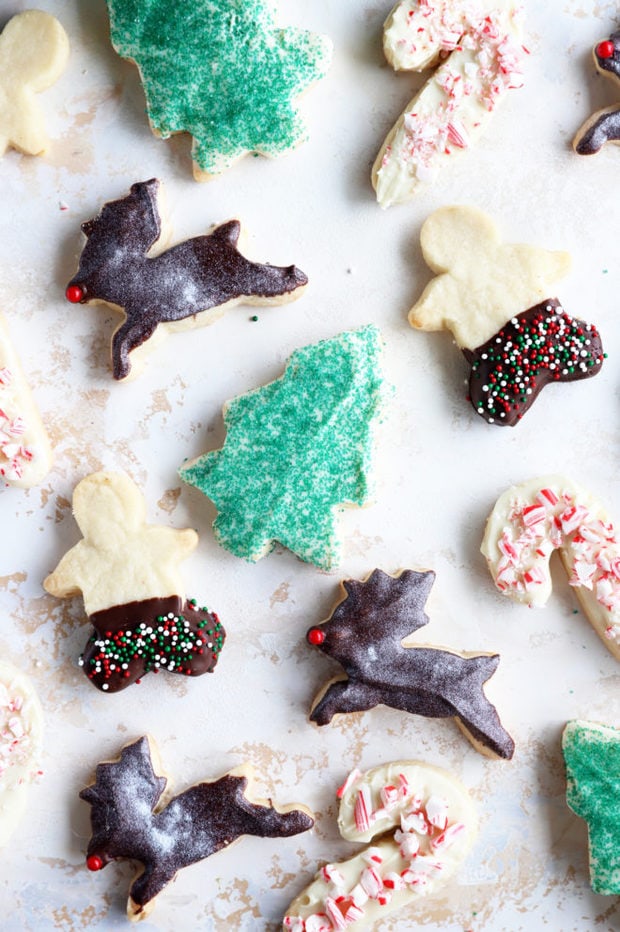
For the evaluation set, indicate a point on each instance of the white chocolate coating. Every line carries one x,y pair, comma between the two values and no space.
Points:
21,732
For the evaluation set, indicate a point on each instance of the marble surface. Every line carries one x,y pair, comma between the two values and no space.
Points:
439,470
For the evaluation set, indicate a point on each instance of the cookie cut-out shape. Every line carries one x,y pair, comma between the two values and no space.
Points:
129,576
604,125
592,756
476,49
421,824
492,296
25,450
530,521
34,50
296,451
365,634
131,819
221,71
191,284
21,738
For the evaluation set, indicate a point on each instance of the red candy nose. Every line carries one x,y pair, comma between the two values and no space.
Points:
94,863
316,636
74,294
605,49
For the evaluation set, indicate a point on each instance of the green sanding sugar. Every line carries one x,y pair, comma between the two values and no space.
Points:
220,70
592,756
295,450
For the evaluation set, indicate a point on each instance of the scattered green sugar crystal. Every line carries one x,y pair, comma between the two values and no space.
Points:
592,756
220,70
295,450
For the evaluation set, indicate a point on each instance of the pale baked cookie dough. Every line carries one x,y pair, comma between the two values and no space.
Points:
34,50
21,736
424,822
477,48
530,521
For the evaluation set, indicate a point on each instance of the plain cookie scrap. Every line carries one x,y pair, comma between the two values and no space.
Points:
222,72
131,819
604,125
494,299
296,451
365,634
188,285
530,521
128,573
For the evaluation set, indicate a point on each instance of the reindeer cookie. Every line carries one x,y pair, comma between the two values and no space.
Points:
365,633
221,71
130,820
604,125
21,732
493,297
34,51
477,48
25,451
128,573
189,285
530,521
424,824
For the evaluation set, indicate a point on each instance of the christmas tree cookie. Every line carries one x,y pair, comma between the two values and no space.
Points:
296,450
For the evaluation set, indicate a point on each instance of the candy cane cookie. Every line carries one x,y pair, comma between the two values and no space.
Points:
427,823
478,44
21,731
529,522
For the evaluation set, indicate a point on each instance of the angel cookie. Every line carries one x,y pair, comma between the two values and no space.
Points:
221,71
365,634
128,574
34,51
604,125
493,297
420,823
476,49
191,284
132,820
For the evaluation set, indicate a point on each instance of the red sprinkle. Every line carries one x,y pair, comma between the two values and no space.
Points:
74,294
94,862
316,636
605,49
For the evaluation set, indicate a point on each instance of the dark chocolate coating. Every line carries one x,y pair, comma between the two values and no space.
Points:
364,635
202,273
538,347
604,127
118,638
192,826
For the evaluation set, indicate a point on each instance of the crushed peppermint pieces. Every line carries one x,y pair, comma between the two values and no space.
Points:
13,453
15,742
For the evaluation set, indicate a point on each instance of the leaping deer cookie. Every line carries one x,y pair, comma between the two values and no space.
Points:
493,297
604,125
34,50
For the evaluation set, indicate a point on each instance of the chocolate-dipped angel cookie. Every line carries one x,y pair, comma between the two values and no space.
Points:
128,573
128,820
604,125
493,297
365,633
190,284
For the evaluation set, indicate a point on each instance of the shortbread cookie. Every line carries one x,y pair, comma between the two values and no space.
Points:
365,634
128,574
191,284
492,297
131,820
221,71
530,521
604,125
592,756
25,451
425,824
296,451
21,733
477,48
34,50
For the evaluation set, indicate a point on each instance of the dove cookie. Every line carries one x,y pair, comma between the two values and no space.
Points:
418,823
128,574
223,72
365,633
604,125
132,819
493,297
191,284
